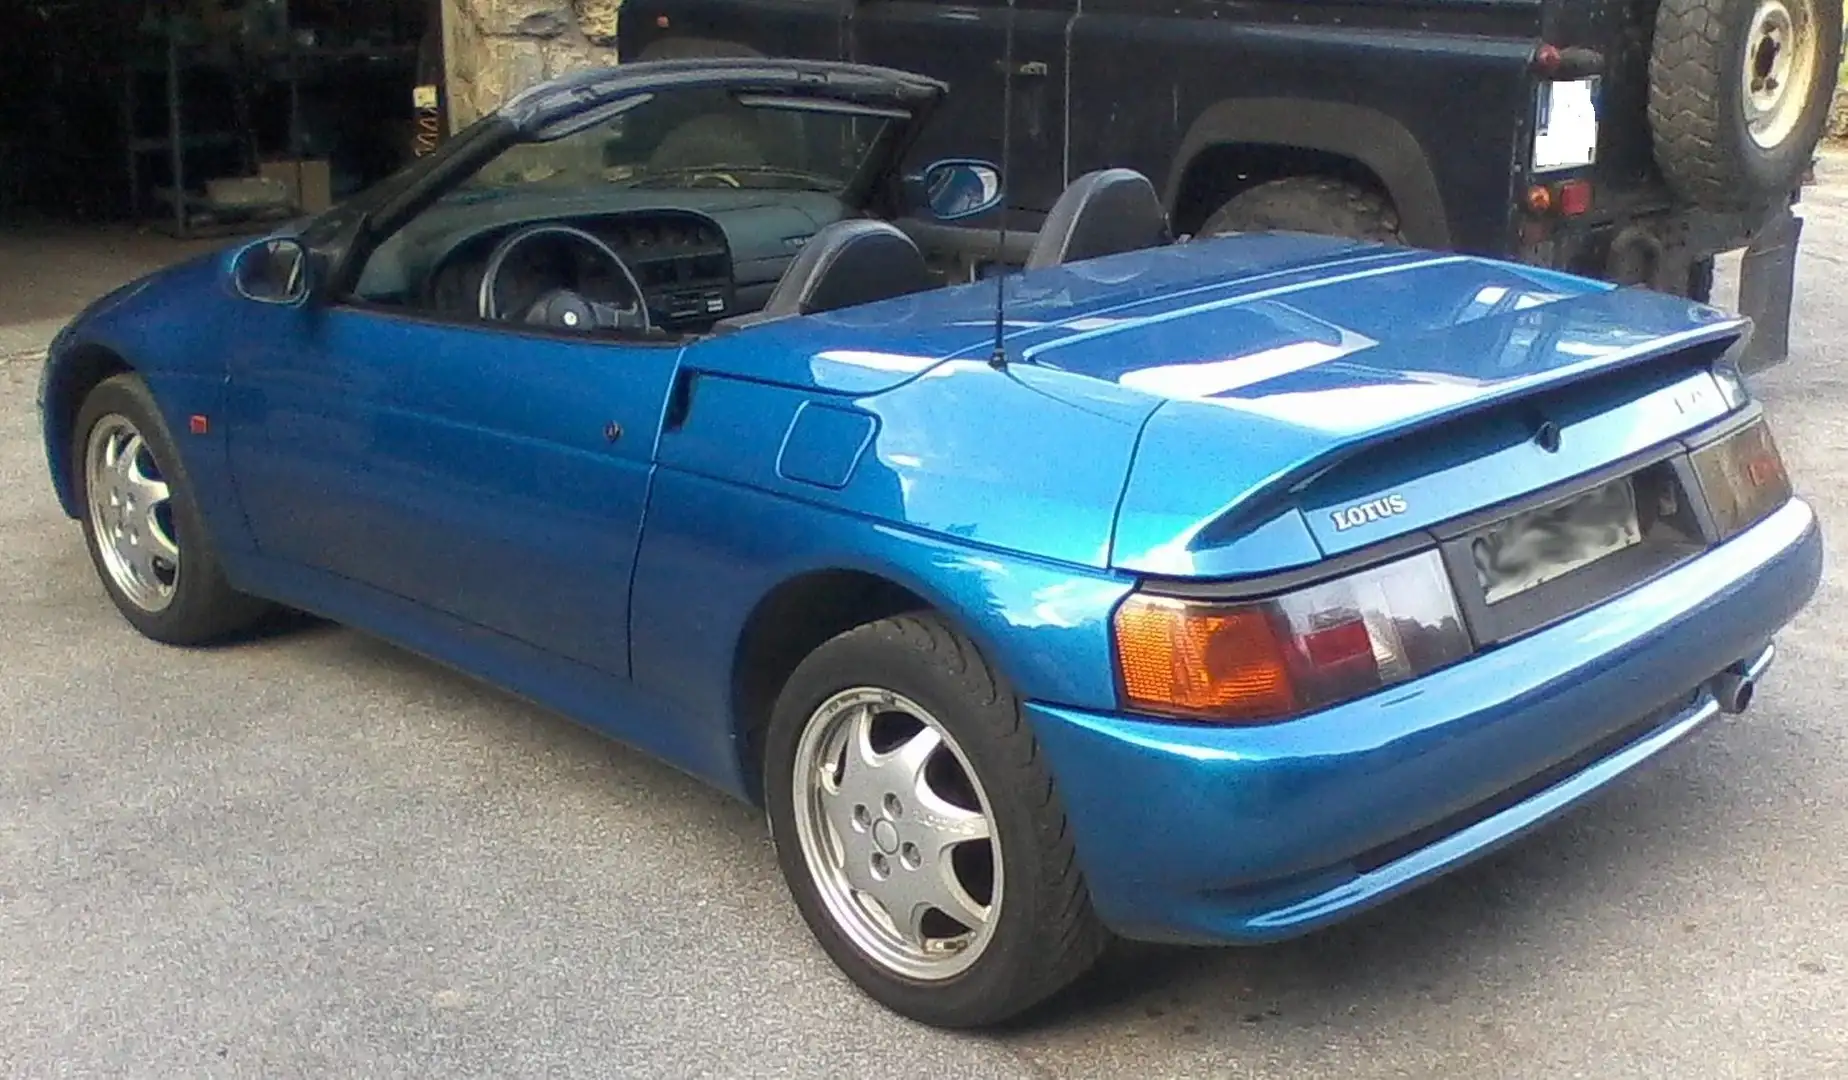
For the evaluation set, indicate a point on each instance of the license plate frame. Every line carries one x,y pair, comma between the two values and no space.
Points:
1532,548
1665,493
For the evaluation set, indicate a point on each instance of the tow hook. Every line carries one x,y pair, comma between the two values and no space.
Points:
1734,687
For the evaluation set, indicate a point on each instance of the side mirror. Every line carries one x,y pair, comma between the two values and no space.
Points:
272,271
956,189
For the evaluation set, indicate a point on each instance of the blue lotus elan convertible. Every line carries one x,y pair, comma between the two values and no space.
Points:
1206,590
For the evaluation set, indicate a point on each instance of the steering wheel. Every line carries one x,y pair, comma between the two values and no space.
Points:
561,307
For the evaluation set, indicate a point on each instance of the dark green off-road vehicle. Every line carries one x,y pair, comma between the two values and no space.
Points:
1631,140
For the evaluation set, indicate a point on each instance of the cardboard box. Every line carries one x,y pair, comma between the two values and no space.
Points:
309,182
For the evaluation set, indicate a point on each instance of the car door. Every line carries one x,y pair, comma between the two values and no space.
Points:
434,399
493,474
963,42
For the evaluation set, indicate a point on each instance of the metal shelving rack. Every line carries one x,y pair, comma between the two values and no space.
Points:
175,142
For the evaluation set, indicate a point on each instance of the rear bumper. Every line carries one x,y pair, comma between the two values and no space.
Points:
1242,835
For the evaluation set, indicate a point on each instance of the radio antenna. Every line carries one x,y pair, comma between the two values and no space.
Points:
999,357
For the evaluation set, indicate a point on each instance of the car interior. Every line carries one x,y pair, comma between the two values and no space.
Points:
700,212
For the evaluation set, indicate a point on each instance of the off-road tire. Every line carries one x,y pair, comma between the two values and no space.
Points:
1697,111
1047,935
1310,204
204,608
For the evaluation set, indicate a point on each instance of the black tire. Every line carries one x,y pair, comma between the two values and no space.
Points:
203,608
1311,204
1697,103
1046,934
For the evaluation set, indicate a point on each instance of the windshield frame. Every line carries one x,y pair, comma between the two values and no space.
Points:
871,163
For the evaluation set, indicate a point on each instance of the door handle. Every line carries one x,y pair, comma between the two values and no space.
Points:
1029,69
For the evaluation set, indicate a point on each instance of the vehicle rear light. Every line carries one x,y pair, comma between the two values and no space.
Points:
1574,197
1742,477
1267,660
1539,198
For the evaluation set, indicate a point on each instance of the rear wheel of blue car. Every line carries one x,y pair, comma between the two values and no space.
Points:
919,831
142,523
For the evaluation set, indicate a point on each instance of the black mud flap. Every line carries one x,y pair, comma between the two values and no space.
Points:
1767,282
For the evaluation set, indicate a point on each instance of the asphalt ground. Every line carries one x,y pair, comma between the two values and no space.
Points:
315,855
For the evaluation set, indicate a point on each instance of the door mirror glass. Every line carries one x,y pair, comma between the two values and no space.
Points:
273,271
960,189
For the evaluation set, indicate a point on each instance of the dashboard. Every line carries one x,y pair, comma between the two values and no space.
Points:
710,255
682,261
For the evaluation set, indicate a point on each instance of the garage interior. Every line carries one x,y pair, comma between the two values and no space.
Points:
136,132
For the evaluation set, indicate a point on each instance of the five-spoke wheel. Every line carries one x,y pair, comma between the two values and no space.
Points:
142,524
896,832
918,829
131,512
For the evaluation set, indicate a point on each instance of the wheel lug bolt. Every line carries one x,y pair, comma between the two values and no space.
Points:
910,856
893,807
880,866
862,818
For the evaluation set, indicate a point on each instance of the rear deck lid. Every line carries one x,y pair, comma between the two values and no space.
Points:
1421,385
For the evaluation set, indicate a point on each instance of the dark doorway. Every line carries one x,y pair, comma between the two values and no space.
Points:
205,116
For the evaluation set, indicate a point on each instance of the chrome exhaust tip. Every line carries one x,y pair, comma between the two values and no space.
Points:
1734,688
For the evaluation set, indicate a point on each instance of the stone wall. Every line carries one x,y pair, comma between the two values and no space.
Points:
496,48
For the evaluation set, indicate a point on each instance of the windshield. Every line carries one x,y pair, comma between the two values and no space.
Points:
696,138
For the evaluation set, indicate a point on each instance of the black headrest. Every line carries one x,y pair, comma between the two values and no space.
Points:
1101,213
848,263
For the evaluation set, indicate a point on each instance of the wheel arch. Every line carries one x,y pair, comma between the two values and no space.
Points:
799,615
1340,136
69,378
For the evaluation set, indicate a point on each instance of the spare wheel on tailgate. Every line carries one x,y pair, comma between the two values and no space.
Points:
1739,91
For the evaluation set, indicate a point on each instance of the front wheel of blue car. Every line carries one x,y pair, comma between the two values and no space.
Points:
143,524
919,832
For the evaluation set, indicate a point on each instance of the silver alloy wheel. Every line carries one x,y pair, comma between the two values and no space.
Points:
897,834
131,513
1781,66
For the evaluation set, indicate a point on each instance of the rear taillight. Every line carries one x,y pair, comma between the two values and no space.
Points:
1742,477
1266,660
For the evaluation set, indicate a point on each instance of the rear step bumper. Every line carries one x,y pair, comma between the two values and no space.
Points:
1242,835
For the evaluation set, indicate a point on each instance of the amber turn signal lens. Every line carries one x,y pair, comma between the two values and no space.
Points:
1181,657
1267,660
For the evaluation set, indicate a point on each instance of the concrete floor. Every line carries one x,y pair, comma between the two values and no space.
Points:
48,272
315,855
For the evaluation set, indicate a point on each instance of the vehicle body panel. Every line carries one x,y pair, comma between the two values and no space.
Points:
369,445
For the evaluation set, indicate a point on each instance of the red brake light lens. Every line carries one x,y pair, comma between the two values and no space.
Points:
1575,197
1250,662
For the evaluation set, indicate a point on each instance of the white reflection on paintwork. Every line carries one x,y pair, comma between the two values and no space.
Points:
1583,348
1233,373
875,361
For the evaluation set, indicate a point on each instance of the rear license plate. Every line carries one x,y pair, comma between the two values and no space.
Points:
1540,545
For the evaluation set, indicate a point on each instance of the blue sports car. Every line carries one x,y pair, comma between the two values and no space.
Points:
1204,590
